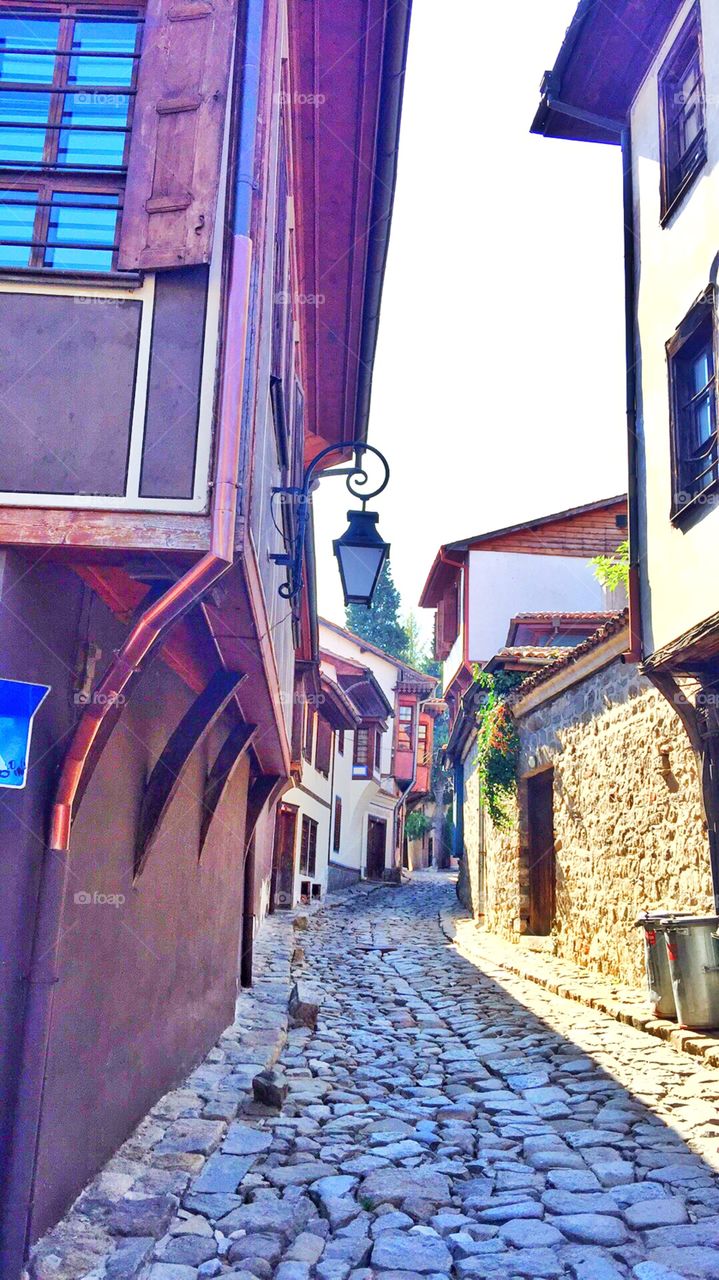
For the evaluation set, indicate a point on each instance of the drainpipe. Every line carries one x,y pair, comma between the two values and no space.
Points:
623,133
147,633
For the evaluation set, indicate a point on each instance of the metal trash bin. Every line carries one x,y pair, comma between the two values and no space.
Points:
659,978
693,951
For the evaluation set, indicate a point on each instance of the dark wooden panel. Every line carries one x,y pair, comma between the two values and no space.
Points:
222,772
173,400
67,382
167,773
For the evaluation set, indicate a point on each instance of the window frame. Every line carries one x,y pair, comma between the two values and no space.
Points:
687,47
308,736
337,827
323,748
362,768
405,728
422,742
308,847
701,313
48,178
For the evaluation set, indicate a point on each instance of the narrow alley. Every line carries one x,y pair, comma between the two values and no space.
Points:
440,1121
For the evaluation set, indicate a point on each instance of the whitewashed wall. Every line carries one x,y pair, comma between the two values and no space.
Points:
679,585
504,583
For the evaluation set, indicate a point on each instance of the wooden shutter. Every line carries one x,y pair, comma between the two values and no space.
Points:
176,147
338,825
323,756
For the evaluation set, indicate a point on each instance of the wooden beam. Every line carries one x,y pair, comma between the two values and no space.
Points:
221,774
262,789
167,773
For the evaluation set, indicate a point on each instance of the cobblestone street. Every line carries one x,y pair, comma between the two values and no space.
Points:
443,1121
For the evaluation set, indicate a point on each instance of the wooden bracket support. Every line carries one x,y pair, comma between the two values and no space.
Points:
167,773
221,774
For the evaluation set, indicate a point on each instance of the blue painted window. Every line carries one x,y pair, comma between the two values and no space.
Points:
67,87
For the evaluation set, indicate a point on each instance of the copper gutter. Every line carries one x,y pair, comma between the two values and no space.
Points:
98,718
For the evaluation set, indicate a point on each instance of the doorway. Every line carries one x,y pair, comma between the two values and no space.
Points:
376,844
283,858
541,853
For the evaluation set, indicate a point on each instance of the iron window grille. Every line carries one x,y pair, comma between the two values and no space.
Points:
692,360
68,82
682,124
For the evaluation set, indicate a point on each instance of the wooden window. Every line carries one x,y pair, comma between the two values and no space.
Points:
341,742
378,750
361,756
323,750
405,727
691,354
308,847
310,717
337,835
68,81
682,131
422,743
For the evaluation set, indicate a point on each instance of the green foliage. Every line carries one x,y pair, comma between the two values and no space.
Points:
448,834
417,825
381,624
497,745
613,571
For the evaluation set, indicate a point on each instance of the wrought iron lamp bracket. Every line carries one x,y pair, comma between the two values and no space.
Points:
356,479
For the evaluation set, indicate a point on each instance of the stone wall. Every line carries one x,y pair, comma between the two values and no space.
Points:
339,877
629,832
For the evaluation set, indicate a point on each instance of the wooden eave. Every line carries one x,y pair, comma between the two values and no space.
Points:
606,53
68,533
347,62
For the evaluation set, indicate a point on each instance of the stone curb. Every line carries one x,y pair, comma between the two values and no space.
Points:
134,1196
572,983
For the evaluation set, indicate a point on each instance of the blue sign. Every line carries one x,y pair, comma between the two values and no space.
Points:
18,703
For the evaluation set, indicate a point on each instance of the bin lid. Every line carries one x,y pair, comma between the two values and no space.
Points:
652,919
693,922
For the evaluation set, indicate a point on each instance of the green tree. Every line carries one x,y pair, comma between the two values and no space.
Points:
381,624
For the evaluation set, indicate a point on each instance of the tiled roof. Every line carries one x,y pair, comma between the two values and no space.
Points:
616,623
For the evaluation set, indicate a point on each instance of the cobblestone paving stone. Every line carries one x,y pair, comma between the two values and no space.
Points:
445,1121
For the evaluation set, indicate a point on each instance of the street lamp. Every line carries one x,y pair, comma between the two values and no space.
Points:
360,551
361,554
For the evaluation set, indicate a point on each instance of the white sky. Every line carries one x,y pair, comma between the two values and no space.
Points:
499,381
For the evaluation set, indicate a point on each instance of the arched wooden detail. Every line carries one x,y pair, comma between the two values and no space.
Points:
167,773
222,773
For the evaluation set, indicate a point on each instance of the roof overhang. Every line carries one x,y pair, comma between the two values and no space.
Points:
367,696
606,53
444,570
348,67
336,708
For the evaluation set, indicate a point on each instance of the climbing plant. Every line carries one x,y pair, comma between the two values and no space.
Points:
497,745
613,571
